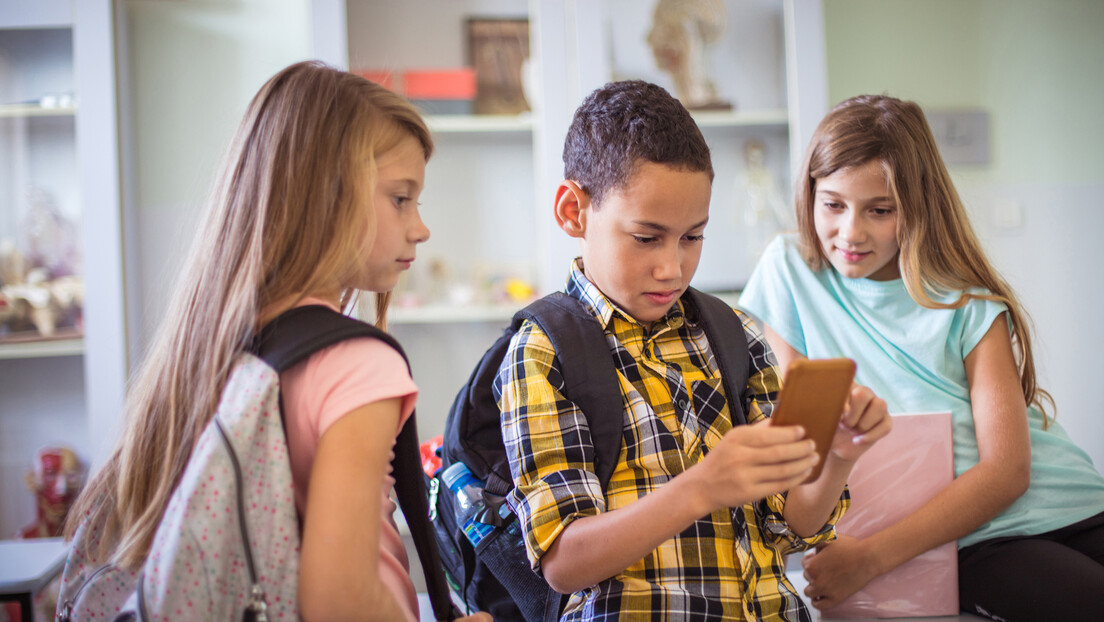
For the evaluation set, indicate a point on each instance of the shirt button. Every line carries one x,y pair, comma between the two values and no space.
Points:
682,404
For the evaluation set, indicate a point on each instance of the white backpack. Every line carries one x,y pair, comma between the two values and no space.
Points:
227,547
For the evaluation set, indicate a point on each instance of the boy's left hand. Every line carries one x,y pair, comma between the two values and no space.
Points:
865,420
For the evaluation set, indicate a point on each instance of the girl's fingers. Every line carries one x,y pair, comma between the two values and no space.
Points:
879,430
857,404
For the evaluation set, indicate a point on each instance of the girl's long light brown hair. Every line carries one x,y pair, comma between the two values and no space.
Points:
291,215
940,254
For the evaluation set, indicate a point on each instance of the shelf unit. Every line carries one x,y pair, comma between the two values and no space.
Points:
66,389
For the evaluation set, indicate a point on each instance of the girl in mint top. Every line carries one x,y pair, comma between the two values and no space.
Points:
885,269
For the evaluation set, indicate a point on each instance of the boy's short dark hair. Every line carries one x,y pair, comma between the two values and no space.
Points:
624,123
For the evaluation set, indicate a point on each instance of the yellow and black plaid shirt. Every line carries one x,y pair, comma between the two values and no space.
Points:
728,565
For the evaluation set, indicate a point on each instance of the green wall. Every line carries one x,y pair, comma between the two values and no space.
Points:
1037,67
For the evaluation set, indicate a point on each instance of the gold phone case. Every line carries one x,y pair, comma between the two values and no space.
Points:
814,392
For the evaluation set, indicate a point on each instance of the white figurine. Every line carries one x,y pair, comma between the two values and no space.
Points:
764,210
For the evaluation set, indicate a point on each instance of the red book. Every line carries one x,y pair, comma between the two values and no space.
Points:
458,83
892,479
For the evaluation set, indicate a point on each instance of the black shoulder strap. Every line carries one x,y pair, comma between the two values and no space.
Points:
728,342
590,378
414,501
300,332
295,335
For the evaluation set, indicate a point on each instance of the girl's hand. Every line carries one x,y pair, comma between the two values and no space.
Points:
865,420
837,570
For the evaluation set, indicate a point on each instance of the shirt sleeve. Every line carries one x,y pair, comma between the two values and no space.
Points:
977,318
548,444
354,373
769,294
764,382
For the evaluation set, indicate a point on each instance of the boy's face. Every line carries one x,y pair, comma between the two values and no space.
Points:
641,247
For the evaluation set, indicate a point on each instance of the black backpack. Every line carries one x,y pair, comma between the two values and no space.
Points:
496,577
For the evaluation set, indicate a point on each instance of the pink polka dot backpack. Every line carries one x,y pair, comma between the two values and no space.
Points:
227,547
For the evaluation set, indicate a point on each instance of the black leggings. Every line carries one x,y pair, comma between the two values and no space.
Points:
1057,575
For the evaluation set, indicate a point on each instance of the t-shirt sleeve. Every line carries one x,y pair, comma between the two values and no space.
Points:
977,318
768,295
354,373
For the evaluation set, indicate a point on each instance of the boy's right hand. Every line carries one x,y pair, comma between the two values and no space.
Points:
754,461
476,617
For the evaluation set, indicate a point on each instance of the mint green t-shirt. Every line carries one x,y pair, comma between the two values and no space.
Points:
914,358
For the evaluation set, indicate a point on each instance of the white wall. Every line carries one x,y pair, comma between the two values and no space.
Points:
193,67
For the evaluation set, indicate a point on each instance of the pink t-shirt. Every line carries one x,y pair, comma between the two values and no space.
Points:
324,388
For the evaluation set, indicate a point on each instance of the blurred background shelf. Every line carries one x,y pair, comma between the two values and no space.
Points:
492,123
742,118
34,110
41,348
434,314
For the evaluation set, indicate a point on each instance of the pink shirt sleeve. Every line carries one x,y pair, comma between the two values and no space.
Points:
324,388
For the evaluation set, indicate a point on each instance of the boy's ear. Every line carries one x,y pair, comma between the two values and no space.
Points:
571,208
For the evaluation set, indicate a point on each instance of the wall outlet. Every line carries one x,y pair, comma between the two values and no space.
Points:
1007,214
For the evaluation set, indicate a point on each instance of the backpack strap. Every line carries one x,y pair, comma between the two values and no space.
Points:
586,363
728,342
300,332
414,500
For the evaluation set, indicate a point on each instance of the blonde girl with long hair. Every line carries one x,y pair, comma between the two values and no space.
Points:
885,268
317,199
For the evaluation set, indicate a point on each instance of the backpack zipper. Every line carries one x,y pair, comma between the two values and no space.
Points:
256,609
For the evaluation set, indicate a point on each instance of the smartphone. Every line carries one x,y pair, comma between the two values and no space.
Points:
814,392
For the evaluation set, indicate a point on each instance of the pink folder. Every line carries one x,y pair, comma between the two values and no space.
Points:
893,478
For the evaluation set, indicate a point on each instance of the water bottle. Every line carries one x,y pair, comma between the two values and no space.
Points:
469,501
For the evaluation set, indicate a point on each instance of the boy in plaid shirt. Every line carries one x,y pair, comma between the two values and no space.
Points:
698,515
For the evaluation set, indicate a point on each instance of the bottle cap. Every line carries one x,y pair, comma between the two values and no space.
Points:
456,472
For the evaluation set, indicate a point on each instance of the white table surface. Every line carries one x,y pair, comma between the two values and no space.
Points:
28,565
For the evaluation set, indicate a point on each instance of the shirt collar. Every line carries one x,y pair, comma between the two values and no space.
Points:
580,287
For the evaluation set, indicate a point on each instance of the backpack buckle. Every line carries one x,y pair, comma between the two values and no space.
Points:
434,488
